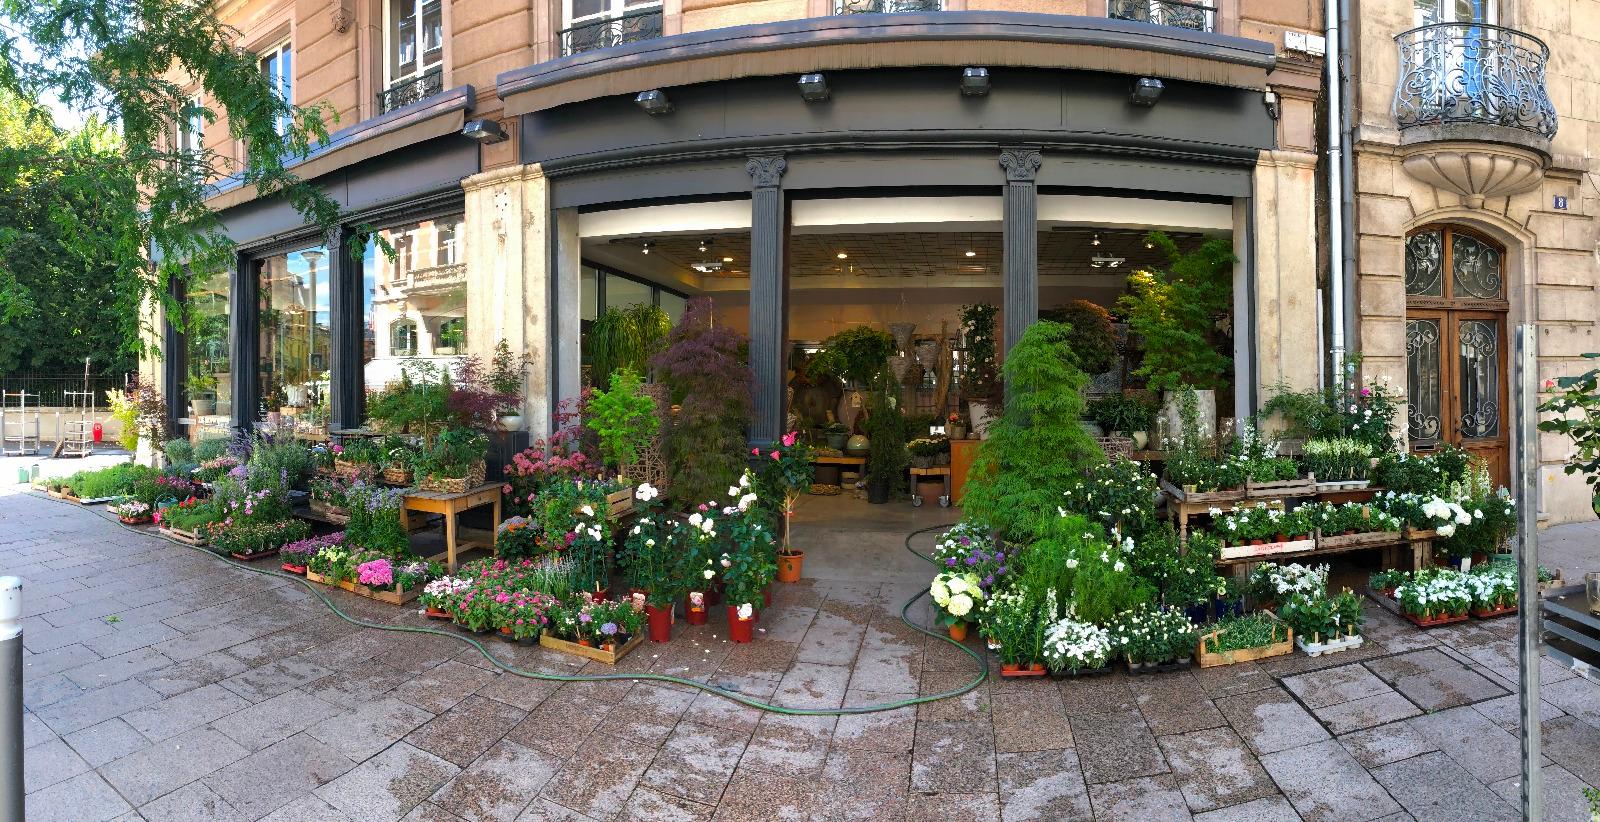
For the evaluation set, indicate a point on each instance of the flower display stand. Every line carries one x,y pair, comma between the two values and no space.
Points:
399,597
191,538
596,654
1331,646
1302,487
1209,659
1186,503
1355,542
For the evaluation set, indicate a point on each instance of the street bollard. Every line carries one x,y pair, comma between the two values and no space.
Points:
11,805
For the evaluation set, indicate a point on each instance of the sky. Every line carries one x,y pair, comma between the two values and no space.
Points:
66,117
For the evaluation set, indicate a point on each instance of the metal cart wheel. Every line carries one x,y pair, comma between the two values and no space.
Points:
944,501
916,501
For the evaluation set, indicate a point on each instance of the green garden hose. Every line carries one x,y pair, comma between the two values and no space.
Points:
983,665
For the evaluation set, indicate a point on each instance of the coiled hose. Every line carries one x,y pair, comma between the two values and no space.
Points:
983,665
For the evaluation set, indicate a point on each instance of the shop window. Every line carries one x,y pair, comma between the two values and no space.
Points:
208,347
403,338
295,338
422,289
452,337
622,292
277,65
673,305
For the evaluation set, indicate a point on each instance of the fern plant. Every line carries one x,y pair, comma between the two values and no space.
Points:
1176,310
705,366
1036,449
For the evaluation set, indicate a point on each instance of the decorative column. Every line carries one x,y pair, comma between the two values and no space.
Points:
174,367
346,382
769,292
1020,277
244,316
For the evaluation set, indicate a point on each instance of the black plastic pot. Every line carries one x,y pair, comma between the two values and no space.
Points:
877,491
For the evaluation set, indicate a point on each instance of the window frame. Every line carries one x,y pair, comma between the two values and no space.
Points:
285,78
391,36
615,10
191,122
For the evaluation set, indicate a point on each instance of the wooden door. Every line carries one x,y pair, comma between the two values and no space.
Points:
1456,346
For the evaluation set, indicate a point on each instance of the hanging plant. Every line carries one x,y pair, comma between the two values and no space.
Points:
864,351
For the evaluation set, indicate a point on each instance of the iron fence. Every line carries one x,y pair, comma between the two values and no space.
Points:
1473,73
408,91
886,6
47,390
1193,16
614,31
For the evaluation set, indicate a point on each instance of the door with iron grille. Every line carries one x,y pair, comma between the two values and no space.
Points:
1455,345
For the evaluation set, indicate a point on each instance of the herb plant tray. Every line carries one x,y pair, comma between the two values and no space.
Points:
1351,542
1491,613
1267,549
1435,622
1302,487
1331,646
186,537
1202,497
596,654
399,597
1212,659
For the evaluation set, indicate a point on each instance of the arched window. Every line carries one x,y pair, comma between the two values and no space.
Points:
403,338
1455,343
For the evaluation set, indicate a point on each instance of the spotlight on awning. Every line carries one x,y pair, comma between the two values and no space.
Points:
813,87
484,131
974,81
1146,91
654,102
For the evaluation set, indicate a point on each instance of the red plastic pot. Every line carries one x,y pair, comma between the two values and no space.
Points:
695,614
660,622
740,630
766,597
294,569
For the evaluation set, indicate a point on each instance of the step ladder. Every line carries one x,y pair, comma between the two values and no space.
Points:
19,435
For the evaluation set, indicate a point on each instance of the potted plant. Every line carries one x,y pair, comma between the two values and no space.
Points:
626,338
505,378
749,568
1175,313
863,350
983,386
705,367
657,563
954,427
837,435
623,419
1075,648
787,474
1094,342
957,593
927,452
454,463
1123,416
886,456
202,399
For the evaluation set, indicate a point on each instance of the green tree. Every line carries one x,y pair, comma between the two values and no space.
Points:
1037,448
1175,312
130,66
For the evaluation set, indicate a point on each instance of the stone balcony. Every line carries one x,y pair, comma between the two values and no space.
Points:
1472,108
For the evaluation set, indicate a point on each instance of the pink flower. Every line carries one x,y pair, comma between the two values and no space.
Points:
775,455
1366,392
756,451
789,439
1549,384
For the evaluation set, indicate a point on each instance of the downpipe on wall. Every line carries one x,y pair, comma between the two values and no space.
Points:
1337,192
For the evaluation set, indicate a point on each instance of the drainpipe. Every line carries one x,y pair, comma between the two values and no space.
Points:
1336,188
1347,159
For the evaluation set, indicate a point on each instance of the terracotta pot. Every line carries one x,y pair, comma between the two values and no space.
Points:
958,632
740,630
294,569
436,613
1009,667
660,622
1036,667
587,643
505,630
1258,542
789,566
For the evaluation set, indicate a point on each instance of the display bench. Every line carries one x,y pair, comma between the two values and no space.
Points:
449,505
1571,635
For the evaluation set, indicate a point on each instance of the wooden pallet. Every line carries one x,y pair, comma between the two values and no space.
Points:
1302,487
400,597
1353,542
186,537
1209,659
596,654
1246,552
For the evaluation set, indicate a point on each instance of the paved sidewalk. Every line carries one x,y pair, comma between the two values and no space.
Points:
163,684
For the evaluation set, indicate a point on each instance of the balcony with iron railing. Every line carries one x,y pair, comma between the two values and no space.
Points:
410,90
886,6
612,31
1175,13
1472,108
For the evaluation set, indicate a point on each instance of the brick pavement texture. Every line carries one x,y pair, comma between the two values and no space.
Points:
163,684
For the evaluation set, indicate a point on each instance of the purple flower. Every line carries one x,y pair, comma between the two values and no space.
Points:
999,556
966,540
585,617
951,562
972,560
988,580
1002,570
609,629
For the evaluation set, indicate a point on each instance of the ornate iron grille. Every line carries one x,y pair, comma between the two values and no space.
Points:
615,31
885,6
1473,73
410,90
1194,16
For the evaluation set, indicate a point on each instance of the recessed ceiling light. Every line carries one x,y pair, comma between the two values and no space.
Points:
1149,246
1095,241
645,248
972,253
841,255
727,259
704,244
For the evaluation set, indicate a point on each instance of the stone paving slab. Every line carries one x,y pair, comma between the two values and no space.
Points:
219,694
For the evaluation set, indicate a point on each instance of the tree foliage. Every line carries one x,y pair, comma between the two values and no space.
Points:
706,366
1175,312
1036,449
130,67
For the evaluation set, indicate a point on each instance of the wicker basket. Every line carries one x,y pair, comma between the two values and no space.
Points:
1116,447
398,475
456,485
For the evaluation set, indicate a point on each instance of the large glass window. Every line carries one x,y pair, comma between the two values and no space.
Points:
416,37
277,66
622,292
415,305
294,333
192,127
208,383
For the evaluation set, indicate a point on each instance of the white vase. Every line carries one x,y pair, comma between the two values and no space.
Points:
510,422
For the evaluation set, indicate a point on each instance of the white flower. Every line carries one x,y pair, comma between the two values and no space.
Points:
960,605
733,490
746,611
650,542
588,510
710,573
725,561
956,585
1119,566
1072,562
744,480
1447,529
695,520
1478,514
746,501
646,492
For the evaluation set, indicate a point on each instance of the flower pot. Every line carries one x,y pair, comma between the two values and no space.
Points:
437,613
587,643
826,475
958,632
839,440
660,622
740,630
293,569
789,566
877,491
202,408
857,445
1008,668
1036,668
510,422
505,630
695,616
956,431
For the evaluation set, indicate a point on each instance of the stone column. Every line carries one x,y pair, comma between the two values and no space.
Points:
507,257
1020,249
1287,349
769,291
244,323
566,299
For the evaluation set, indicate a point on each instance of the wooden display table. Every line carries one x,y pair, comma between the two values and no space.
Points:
858,462
941,471
449,505
962,454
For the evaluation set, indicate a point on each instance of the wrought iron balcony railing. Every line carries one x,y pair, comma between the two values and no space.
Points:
407,91
1193,16
1472,73
886,6
615,31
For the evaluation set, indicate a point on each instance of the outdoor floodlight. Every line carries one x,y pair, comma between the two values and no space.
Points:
1146,91
484,131
974,81
813,87
654,102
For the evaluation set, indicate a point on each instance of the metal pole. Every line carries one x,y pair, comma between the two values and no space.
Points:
11,805
1527,375
1336,195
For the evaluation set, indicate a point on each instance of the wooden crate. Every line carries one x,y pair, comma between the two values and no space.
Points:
1302,487
1230,495
596,654
1352,542
186,537
255,556
619,502
1208,659
400,597
1293,546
